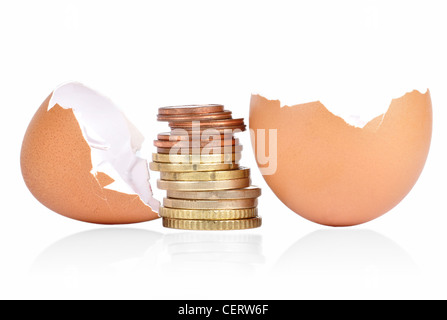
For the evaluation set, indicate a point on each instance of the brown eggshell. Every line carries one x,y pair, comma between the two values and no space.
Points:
56,164
336,174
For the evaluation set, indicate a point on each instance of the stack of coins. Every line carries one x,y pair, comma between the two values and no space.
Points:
198,161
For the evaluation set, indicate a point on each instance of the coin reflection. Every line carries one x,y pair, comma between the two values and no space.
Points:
203,253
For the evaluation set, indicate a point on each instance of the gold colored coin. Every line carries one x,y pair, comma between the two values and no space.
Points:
188,158
210,204
206,175
249,192
184,167
202,151
219,214
203,185
238,224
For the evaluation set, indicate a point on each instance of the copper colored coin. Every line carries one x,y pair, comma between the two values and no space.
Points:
171,137
203,151
195,143
214,130
195,117
208,123
182,135
191,109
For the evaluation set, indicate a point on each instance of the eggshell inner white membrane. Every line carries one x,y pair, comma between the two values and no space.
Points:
113,140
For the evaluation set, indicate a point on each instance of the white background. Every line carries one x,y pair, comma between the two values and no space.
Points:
354,56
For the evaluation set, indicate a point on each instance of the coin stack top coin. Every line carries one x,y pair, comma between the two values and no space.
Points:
198,161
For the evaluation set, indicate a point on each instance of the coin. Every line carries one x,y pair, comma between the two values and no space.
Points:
195,117
207,214
189,224
249,192
203,185
195,143
208,123
202,151
181,135
188,109
210,204
188,158
213,130
206,175
170,137
184,167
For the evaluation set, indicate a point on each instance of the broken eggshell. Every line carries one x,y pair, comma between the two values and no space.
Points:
80,158
336,174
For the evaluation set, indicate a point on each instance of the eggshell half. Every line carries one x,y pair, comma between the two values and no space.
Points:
335,174
57,168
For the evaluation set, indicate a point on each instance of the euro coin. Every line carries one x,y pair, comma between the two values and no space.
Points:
210,204
191,109
204,214
213,130
203,185
184,167
188,158
207,175
249,192
195,143
189,224
208,123
195,117
202,151
181,135
171,137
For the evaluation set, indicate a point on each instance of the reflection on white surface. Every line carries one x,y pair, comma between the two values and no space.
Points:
346,257
108,257
95,251
125,262
104,262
